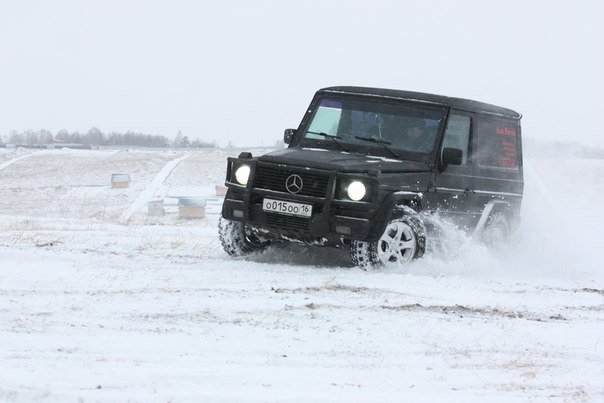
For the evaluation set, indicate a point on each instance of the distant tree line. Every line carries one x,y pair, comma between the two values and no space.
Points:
560,149
95,137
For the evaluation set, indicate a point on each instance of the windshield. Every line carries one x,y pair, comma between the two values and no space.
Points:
367,125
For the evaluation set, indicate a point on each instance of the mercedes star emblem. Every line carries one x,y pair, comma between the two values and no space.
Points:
293,183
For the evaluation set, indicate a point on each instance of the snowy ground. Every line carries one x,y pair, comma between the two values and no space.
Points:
100,302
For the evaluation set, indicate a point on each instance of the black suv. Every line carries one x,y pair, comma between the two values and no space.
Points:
369,169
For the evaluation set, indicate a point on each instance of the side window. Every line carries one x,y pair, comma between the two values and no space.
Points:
457,134
498,143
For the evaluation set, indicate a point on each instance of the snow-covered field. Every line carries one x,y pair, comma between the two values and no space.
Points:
101,302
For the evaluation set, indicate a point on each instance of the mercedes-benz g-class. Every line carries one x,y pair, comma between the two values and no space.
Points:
367,168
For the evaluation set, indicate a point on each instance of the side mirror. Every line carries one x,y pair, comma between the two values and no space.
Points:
288,135
452,156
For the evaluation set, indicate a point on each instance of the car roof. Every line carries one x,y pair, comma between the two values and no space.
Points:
456,103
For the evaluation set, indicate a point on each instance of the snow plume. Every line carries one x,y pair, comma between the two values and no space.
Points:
562,217
560,233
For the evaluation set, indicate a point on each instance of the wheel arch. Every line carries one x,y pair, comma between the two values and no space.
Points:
396,205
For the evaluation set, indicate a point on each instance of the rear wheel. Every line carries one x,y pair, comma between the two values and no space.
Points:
237,239
496,233
403,240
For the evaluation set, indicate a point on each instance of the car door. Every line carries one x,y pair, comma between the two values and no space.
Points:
454,183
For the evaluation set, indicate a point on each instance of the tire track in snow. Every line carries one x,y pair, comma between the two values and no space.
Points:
10,162
153,187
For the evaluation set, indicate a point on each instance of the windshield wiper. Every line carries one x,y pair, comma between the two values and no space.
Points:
383,143
334,138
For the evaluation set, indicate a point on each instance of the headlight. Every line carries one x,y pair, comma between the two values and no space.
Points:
242,174
356,190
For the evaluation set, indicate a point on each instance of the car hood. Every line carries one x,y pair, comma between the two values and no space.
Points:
341,161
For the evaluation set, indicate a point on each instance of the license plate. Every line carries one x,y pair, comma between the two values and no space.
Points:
287,208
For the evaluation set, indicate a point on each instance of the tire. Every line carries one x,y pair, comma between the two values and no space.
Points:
403,240
496,233
236,239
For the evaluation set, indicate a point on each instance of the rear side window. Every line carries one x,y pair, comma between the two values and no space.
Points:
498,143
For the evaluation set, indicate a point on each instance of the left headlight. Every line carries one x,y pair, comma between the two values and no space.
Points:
242,174
356,190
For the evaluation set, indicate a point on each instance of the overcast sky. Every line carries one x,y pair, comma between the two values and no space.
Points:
243,71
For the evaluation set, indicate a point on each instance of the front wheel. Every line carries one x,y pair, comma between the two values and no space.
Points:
236,239
403,240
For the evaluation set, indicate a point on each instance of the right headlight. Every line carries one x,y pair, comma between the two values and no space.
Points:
356,190
242,174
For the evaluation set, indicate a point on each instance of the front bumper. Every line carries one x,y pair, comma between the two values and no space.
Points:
327,225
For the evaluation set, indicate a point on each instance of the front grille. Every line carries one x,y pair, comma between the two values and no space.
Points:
274,177
287,222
